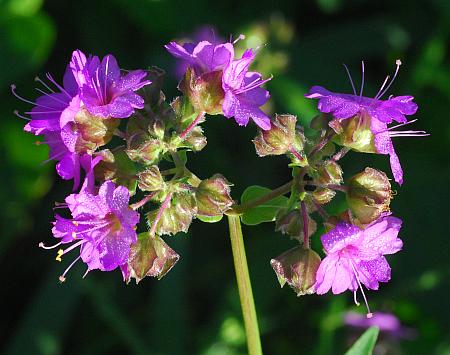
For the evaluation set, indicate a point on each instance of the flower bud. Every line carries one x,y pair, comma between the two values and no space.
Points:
177,216
297,267
150,256
205,91
328,173
151,179
95,130
145,151
213,196
369,195
355,133
279,138
116,167
195,140
291,223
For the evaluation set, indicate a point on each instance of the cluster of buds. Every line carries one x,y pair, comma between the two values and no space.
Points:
116,128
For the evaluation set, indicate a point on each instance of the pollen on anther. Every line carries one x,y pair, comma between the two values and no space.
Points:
59,255
74,235
62,279
75,223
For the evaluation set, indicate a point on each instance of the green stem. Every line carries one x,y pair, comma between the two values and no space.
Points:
244,286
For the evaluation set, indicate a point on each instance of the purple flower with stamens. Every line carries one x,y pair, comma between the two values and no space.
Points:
104,91
102,226
243,92
355,256
53,116
380,112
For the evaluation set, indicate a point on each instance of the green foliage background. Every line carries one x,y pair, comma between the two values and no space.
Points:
195,309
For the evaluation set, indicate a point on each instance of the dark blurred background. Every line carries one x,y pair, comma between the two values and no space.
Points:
195,308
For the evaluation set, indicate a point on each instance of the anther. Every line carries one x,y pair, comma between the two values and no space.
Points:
59,255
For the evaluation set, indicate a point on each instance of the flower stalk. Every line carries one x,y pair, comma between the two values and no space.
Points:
244,286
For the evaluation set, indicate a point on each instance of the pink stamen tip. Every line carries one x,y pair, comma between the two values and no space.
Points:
369,315
41,245
62,279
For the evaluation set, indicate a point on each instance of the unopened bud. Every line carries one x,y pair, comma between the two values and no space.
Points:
145,151
195,140
369,195
151,179
150,256
291,223
213,196
297,267
279,138
205,91
328,173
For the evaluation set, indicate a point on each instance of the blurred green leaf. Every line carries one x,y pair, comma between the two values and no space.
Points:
265,212
21,52
365,344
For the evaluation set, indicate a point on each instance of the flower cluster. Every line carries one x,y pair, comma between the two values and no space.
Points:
357,240
147,160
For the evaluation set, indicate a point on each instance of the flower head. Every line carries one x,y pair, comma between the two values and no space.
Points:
104,91
243,92
102,225
355,257
379,112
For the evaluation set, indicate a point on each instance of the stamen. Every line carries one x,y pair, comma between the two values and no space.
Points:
62,278
350,78
382,86
369,313
106,74
20,116
402,124
87,271
50,96
43,246
54,157
240,37
13,90
37,79
362,79
53,81
59,255
398,62
355,299
74,235
72,247
254,84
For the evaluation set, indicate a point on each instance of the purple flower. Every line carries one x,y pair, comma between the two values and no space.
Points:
355,257
185,53
387,322
102,225
243,92
103,90
204,57
53,116
380,112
